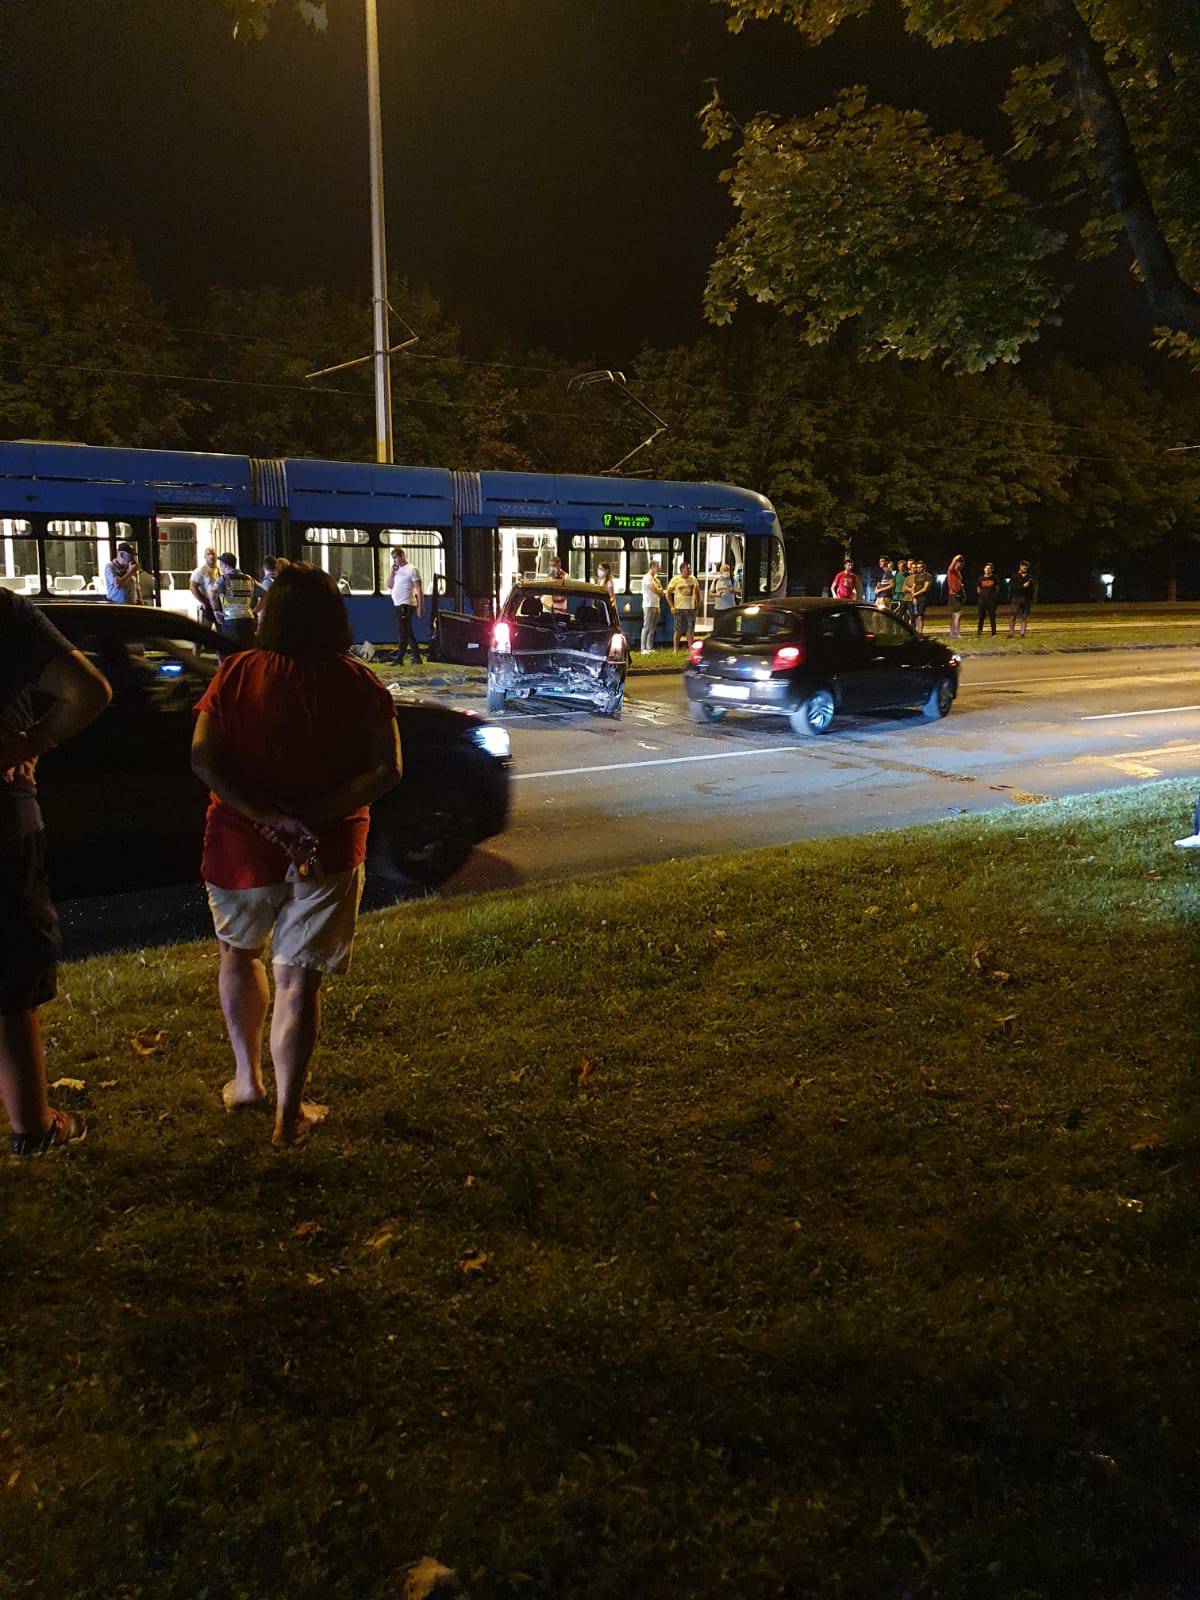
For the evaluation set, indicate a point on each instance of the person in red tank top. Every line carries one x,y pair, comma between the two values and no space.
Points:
294,739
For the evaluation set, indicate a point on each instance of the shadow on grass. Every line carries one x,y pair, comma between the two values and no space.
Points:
884,1285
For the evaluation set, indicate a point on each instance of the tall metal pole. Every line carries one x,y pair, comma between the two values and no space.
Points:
383,371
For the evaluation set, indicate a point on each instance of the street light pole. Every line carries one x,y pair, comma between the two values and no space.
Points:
381,358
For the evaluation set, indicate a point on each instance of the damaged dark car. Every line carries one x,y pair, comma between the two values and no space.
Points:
560,640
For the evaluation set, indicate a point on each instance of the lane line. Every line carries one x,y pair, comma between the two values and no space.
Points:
1116,716
662,761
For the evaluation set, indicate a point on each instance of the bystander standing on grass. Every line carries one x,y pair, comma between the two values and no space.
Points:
294,740
988,594
955,592
922,593
683,595
1020,595
846,584
34,658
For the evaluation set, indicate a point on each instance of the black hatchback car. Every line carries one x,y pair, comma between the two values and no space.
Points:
808,660
123,810
558,639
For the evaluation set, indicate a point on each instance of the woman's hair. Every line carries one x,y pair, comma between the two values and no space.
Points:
304,614
603,567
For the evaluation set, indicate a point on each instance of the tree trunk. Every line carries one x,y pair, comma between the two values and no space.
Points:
1170,297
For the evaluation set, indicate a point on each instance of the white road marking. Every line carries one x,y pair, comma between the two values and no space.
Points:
1114,716
663,761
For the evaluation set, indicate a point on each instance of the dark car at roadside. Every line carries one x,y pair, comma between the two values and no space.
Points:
559,640
811,660
124,811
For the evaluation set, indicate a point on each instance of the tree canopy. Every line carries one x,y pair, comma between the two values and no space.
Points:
924,244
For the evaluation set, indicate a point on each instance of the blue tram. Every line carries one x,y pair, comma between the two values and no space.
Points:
63,507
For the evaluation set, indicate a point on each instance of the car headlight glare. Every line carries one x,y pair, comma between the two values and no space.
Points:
494,740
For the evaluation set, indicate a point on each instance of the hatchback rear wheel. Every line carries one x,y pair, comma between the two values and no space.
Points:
814,715
703,712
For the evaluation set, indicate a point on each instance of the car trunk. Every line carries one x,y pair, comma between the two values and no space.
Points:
739,661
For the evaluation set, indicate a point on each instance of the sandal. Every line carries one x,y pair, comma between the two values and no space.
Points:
65,1128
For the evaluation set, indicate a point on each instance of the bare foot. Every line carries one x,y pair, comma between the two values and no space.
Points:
311,1115
233,1100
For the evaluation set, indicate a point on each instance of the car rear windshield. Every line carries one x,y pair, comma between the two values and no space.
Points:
754,622
580,612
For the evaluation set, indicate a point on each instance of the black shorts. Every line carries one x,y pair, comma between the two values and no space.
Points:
30,945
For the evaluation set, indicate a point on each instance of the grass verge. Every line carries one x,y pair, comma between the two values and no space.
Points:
819,1221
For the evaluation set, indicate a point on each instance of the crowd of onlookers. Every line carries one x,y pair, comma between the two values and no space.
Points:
907,589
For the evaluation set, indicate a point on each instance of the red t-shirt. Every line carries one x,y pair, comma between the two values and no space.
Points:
845,585
294,727
954,581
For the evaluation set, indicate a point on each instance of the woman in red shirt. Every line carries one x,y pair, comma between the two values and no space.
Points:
955,590
294,740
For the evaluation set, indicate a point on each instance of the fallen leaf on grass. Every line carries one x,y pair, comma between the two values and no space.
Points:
12,1478
469,1181
314,1279
913,906
107,1083
1129,1204
981,957
429,1578
69,1083
585,1071
473,1263
1008,1022
147,1043
305,1230
384,1236
872,911
997,976
1152,1144
515,1077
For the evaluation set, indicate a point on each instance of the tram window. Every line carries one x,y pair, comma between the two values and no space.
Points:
525,553
423,547
644,552
77,553
18,556
346,555
778,570
588,551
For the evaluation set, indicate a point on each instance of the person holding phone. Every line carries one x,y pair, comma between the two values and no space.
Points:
122,577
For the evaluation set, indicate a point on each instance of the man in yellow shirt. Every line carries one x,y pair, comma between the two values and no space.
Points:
683,596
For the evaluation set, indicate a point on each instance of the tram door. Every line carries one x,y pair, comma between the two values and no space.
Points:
717,550
182,541
525,553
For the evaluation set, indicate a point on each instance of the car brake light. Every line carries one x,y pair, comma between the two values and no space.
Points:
788,655
616,647
694,651
502,638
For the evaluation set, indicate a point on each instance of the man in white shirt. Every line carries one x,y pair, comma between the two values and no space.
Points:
404,581
201,585
653,594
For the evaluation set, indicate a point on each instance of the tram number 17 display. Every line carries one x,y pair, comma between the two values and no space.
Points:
628,521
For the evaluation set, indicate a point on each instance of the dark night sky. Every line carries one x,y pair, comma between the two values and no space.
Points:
543,160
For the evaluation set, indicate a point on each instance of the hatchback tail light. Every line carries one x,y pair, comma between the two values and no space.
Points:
502,639
616,647
788,655
694,652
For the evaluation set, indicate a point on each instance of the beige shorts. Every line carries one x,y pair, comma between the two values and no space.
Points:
309,921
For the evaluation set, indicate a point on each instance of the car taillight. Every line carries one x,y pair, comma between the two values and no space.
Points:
694,652
616,647
788,655
502,638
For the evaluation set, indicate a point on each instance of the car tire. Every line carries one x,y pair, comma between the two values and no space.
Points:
703,712
422,846
814,715
495,699
941,698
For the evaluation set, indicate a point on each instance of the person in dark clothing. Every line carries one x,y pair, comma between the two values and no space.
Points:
34,657
988,594
1020,594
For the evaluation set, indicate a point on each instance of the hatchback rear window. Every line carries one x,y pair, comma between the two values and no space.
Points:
754,622
578,611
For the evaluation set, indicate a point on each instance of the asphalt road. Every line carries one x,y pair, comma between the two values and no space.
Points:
590,794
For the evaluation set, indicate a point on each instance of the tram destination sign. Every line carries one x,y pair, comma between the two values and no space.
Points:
628,521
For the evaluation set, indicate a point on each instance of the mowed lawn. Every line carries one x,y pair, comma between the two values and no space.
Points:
821,1222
